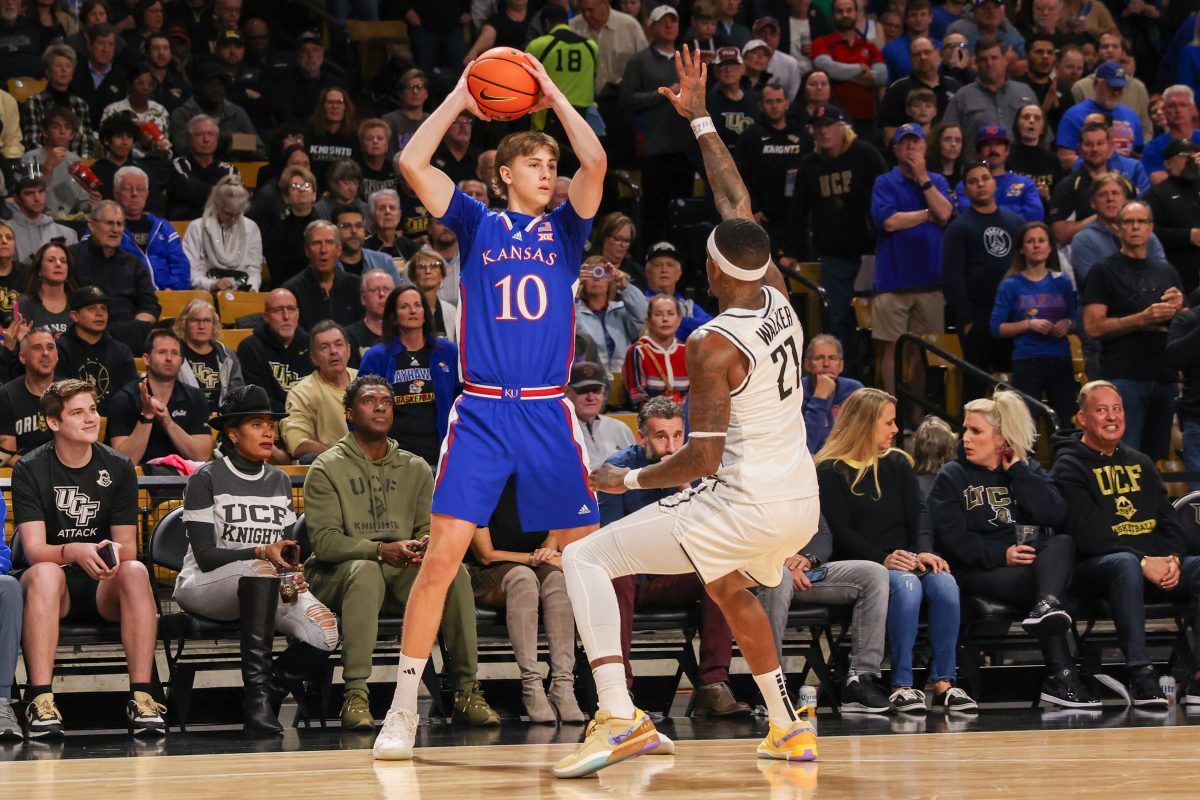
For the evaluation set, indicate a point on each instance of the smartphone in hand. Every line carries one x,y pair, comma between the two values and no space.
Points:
108,554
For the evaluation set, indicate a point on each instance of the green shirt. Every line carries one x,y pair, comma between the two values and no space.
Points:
571,63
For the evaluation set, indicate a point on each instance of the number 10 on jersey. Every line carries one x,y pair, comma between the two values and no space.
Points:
521,297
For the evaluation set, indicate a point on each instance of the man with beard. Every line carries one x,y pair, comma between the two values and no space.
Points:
87,351
854,65
1042,59
352,231
926,60
1111,81
249,85
303,83
769,155
1179,109
1175,204
22,424
1017,193
171,87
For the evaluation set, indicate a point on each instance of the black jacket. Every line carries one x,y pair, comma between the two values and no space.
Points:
1175,204
268,363
122,276
107,363
833,200
343,304
973,510
869,525
283,246
1183,353
1117,503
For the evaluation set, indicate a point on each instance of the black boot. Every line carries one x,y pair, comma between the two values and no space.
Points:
258,599
299,663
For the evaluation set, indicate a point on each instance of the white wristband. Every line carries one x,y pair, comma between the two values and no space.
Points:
702,126
631,479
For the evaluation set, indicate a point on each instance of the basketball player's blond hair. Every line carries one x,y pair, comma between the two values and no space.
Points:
517,145
853,435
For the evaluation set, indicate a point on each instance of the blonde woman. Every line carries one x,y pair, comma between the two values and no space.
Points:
207,364
224,246
871,501
993,509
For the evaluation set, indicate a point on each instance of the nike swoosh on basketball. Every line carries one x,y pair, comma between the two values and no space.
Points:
484,95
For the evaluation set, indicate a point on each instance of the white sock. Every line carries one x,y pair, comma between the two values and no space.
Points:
774,692
408,678
610,687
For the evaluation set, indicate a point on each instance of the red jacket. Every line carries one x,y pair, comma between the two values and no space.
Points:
651,371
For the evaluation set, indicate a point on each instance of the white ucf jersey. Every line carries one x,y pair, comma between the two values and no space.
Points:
766,452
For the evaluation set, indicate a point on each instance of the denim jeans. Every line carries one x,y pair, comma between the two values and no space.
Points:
837,277
907,593
11,606
862,584
1149,409
1190,428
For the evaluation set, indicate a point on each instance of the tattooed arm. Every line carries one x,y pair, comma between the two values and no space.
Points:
729,191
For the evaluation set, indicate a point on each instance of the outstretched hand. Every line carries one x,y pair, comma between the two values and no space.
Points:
693,83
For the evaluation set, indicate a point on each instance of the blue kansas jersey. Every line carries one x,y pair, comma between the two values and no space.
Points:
516,292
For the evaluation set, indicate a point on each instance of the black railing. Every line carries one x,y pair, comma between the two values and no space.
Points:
815,289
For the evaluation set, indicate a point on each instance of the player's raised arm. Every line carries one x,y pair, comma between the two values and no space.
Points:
729,190
430,184
587,187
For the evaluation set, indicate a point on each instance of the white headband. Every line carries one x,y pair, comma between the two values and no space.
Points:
731,269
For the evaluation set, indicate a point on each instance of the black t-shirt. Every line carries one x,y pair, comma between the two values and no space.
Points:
510,32
77,505
33,310
414,425
375,180
207,369
1127,286
139,229
362,339
21,416
1035,162
188,408
505,525
457,170
11,287
732,117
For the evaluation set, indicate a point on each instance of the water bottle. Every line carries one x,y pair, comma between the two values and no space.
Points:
808,699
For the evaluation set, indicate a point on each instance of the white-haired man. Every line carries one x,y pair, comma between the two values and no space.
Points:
153,240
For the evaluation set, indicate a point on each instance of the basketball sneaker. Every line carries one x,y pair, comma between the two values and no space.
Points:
1144,688
796,743
609,740
1191,693
397,736
10,726
1047,617
863,696
908,700
955,701
43,717
1063,688
143,715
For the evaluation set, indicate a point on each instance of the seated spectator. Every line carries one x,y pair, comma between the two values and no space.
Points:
1176,218
11,613
14,275
65,196
354,258
207,364
933,444
235,500
1131,548
100,261
315,417
45,302
825,390
993,511
1014,192
22,423
1179,114
1183,353
282,139
660,435
284,242
342,180
521,572
152,240
587,390
422,370
87,350
236,136
367,332
267,207
275,356
32,227
1128,302
654,365
613,239
322,290
945,155
58,61
870,498
224,246
332,134
383,209
378,171
612,323
444,242
863,585
171,87
118,135
457,156
1098,239
427,271
99,78
404,121
1031,155
1110,84
302,82
1070,210
139,107
194,174
663,270
69,577
363,565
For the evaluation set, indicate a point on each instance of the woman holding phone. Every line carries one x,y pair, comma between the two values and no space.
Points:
992,509
239,517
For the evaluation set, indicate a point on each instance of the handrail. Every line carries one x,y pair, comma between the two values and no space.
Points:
1037,407
815,288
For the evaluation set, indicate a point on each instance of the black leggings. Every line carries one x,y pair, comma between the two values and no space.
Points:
1024,586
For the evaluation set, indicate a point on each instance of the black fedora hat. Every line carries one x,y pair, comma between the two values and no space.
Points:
244,401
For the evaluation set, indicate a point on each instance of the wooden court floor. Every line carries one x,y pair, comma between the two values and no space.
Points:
1111,763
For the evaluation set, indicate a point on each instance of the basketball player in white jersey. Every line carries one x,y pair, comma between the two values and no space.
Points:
756,503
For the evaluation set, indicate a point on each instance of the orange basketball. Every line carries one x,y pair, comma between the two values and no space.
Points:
502,87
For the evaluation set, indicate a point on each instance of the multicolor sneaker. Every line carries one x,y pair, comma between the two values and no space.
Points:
43,717
609,741
470,707
796,743
143,715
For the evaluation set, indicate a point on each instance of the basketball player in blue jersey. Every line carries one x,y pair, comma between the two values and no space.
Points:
516,344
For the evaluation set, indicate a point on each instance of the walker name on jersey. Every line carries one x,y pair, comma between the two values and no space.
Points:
242,519
517,253
782,319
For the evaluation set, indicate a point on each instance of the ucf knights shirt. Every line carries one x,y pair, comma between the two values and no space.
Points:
77,505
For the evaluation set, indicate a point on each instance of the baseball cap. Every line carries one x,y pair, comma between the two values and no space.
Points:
991,133
180,32
1113,74
753,44
585,375
309,37
728,55
661,11
908,129
827,114
662,249
227,36
765,22
88,296
1177,147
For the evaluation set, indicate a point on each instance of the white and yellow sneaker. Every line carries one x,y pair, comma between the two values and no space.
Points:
609,740
796,743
